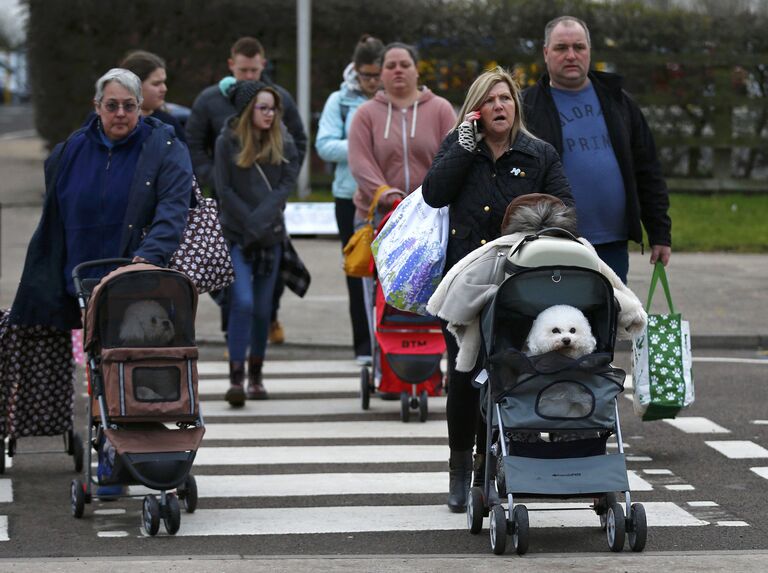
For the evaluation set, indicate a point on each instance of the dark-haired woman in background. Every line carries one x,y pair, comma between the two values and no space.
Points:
151,71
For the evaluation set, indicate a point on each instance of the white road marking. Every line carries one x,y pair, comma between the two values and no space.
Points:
760,422
4,528
6,491
636,483
313,407
295,520
108,511
112,534
282,367
761,471
735,523
374,454
326,430
697,425
703,504
639,459
732,360
680,487
378,483
658,472
218,386
739,449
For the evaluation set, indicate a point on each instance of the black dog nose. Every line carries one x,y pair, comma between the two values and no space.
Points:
567,341
166,324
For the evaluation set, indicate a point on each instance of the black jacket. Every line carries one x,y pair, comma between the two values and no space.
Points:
478,189
208,116
633,144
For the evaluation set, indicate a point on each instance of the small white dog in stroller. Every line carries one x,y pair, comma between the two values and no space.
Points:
561,328
146,322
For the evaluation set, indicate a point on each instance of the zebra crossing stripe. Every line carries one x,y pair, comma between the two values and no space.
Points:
697,425
739,449
6,491
326,430
337,406
355,519
218,386
378,483
286,367
4,528
761,471
320,455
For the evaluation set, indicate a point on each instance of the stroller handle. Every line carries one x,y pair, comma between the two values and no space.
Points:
95,263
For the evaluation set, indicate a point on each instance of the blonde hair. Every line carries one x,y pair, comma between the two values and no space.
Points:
256,145
479,90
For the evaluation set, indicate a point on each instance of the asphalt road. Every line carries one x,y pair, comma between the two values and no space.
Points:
680,468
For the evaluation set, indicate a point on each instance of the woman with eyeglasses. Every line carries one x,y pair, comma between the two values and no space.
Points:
118,187
361,82
255,168
151,71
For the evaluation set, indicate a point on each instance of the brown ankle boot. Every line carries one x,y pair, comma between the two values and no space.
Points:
256,390
236,393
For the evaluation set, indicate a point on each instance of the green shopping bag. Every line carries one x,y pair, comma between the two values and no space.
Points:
661,360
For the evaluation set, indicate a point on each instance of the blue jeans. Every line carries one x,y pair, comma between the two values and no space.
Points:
616,256
250,307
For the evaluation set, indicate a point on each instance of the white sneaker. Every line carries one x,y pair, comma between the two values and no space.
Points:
364,360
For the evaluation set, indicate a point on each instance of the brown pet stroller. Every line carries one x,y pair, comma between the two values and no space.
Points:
141,365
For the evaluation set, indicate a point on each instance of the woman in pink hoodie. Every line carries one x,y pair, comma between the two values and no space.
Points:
394,137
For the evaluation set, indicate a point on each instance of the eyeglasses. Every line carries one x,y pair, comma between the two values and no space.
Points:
128,106
265,109
366,76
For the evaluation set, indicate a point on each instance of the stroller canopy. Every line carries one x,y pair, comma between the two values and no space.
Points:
169,294
507,319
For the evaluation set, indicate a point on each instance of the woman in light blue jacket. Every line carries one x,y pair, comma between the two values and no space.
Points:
361,82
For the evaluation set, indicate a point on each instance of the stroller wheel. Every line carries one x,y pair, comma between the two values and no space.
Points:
520,529
77,451
150,515
365,388
475,510
77,498
423,406
405,407
615,527
638,528
188,494
172,517
498,530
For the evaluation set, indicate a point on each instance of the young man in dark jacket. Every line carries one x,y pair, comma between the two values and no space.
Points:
607,148
212,107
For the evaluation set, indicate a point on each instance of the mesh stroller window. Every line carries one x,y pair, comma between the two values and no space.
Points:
156,384
147,309
565,399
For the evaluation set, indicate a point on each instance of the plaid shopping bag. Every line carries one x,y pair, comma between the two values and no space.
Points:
661,360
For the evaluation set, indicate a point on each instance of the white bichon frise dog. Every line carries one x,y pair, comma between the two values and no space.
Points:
562,328
146,323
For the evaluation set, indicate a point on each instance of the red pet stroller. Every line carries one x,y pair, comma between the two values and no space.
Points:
406,352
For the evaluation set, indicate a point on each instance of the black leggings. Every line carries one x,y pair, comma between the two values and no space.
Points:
466,427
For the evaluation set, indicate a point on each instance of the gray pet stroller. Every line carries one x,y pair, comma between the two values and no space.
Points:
574,400
142,378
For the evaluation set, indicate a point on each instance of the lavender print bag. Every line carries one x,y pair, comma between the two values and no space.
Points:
410,253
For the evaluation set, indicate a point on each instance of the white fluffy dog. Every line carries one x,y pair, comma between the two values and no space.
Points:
562,328
146,323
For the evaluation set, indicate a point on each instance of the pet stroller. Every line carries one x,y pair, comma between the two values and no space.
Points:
142,376
575,400
406,350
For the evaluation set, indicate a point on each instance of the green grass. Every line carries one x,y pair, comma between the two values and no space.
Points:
732,222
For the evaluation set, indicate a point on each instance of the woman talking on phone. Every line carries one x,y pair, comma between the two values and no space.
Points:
488,159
